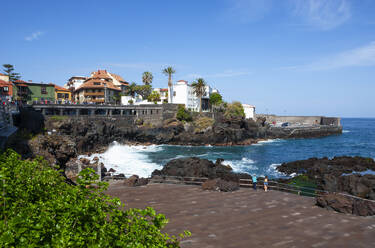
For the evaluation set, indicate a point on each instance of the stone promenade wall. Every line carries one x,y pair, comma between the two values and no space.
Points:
307,120
154,114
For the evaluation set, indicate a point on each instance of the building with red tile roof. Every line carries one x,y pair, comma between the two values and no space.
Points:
6,90
100,87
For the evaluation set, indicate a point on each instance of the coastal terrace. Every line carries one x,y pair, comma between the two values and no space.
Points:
247,218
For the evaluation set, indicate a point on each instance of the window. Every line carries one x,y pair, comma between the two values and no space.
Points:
5,89
66,96
96,83
59,95
43,90
174,93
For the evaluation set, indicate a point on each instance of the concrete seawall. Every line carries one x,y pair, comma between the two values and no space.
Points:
303,120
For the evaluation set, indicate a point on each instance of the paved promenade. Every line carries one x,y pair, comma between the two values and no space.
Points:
248,218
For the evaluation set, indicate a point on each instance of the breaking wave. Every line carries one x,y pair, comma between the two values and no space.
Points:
128,160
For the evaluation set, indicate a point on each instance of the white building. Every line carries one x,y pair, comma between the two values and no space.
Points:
183,93
249,111
75,82
163,94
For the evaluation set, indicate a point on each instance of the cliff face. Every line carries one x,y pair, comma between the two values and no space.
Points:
65,138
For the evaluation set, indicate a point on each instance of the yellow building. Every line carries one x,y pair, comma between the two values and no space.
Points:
62,95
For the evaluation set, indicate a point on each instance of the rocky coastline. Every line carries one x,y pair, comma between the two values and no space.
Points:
61,141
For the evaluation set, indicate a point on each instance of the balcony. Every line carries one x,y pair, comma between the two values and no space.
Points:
93,94
97,100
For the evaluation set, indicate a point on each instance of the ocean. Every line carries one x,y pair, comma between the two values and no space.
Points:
357,139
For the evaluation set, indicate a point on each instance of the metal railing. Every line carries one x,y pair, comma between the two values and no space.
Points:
274,185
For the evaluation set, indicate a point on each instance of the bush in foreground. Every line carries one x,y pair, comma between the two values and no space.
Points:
38,209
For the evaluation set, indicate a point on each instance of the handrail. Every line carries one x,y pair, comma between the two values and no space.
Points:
276,186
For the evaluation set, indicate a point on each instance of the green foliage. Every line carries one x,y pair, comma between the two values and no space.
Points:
234,110
203,123
58,117
304,185
216,99
154,97
8,70
139,122
183,114
130,102
131,90
39,209
168,72
147,78
199,88
143,90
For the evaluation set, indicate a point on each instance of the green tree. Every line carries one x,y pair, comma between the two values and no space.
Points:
143,90
199,89
216,99
154,97
147,78
39,209
234,110
131,90
169,71
8,70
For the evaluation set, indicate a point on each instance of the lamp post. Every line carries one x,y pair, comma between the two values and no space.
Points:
105,93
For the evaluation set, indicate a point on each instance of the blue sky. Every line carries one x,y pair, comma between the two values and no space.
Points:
291,57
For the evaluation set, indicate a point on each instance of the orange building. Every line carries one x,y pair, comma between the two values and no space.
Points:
62,95
6,88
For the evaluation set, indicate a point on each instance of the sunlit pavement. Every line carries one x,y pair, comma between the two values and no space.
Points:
248,218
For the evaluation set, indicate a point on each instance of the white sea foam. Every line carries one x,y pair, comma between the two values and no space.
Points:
241,165
129,160
271,170
345,131
262,142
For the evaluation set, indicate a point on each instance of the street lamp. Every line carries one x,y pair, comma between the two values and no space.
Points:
105,93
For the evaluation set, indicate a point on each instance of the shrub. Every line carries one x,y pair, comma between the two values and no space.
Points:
154,97
183,114
130,101
216,99
139,122
234,110
58,118
40,210
203,123
304,185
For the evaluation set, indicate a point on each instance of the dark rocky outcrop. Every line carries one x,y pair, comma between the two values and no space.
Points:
196,167
339,174
135,180
345,204
220,185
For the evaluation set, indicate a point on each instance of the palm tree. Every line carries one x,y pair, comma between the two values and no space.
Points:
147,78
199,89
169,71
131,89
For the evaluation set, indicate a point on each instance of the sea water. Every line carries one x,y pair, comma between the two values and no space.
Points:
357,139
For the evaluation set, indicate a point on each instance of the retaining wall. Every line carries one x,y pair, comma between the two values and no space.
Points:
307,120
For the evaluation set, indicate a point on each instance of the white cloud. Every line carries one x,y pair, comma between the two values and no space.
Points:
34,36
361,56
322,14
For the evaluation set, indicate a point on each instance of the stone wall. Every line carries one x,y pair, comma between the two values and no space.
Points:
153,114
306,120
